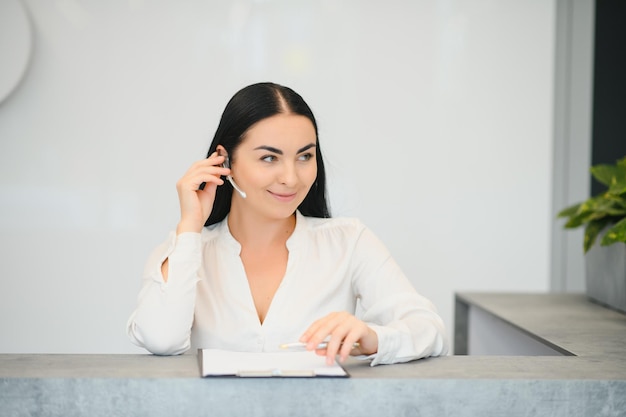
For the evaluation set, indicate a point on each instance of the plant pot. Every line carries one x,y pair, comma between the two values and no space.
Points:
606,275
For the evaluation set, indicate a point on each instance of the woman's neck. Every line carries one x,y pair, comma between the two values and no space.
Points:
252,230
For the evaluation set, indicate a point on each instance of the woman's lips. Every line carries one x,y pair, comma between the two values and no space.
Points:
283,197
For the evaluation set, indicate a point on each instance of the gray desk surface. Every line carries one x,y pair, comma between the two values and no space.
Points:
567,322
591,383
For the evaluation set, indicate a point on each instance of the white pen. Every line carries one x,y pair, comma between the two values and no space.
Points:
300,345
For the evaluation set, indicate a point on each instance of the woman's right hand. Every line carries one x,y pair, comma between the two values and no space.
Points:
196,204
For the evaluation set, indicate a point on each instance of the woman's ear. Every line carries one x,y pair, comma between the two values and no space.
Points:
222,151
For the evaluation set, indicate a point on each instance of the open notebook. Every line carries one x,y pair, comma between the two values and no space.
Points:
216,362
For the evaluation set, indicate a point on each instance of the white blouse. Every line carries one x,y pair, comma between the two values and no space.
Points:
334,265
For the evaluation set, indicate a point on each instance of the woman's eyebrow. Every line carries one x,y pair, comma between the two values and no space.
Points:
305,148
269,148
279,152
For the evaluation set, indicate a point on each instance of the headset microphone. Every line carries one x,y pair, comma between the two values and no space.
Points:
239,190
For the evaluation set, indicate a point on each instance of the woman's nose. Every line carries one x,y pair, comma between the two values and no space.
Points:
288,175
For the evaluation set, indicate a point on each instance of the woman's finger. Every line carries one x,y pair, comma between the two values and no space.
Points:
340,330
196,192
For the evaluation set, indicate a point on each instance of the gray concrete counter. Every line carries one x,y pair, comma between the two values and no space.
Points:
592,383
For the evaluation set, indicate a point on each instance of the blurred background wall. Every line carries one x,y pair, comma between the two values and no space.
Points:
436,119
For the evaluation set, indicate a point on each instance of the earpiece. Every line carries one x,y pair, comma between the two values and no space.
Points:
226,164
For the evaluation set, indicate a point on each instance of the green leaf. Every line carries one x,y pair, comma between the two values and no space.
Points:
608,205
569,211
620,201
616,233
591,232
613,176
604,173
618,185
582,218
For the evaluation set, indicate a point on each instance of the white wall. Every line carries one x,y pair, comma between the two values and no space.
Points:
435,118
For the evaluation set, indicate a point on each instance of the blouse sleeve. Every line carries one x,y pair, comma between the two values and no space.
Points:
162,321
407,324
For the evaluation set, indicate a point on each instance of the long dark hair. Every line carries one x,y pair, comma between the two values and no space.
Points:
247,107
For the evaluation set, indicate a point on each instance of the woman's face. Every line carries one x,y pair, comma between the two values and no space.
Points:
275,165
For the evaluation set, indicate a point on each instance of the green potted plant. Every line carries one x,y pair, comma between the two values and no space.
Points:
604,216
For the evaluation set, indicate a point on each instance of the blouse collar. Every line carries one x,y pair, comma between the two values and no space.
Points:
298,236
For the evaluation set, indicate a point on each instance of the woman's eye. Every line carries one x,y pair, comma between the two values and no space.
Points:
305,157
269,158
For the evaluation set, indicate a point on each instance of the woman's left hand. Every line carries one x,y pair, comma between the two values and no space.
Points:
341,330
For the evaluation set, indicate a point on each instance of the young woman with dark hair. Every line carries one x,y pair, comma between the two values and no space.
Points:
256,261
250,105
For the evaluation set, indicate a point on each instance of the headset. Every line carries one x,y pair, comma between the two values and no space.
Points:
226,164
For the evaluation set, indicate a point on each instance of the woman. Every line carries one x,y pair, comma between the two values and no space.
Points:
262,264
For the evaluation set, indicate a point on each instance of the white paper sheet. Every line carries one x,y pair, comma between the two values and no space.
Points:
216,362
